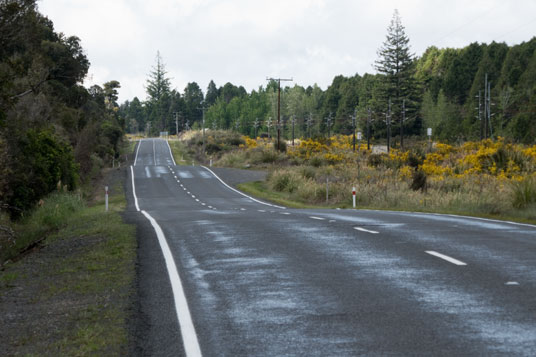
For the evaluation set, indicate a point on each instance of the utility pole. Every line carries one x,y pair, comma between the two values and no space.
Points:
486,109
279,106
388,121
293,120
256,126
480,115
369,119
269,125
176,123
489,110
402,124
353,125
309,124
328,124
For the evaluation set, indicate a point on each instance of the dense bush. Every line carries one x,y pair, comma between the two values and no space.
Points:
48,164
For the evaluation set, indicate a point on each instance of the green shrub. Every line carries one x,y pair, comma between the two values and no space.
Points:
308,172
285,181
524,193
375,160
43,163
282,146
418,181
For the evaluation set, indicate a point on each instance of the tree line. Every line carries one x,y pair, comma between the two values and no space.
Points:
54,133
438,90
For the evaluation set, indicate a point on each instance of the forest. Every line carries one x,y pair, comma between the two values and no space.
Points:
447,91
54,132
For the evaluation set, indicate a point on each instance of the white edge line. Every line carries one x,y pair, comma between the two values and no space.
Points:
445,257
170,153
134,189
452,215
241,193
137,150
189,336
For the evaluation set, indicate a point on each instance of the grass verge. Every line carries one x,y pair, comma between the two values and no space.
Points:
180,152
72,296
263,191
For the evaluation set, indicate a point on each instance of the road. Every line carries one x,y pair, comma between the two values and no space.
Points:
262,280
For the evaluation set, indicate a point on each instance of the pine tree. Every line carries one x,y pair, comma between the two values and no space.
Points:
157,84
158,93
396,64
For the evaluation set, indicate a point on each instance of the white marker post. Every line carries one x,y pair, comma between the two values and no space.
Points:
106,197
359,137
353,196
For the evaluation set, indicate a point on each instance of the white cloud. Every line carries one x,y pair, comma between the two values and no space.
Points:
243,41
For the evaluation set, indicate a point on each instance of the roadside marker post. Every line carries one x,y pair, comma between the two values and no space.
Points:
106,197
353,196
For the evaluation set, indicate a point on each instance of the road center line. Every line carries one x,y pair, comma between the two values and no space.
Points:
365,230
445,257
189,336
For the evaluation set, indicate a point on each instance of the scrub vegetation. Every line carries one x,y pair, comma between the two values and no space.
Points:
486,178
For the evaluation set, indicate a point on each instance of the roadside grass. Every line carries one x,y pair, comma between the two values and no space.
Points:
397,199
80,298
261,190
180,152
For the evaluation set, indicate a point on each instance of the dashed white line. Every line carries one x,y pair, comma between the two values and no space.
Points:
366,230
512,283
197,200
317,218
445,257
261,210
285,213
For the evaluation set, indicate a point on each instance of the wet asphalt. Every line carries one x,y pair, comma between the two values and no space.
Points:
262,280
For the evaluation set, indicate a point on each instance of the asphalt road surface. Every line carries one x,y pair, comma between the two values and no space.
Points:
222,274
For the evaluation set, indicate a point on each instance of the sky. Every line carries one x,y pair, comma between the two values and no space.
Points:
246,41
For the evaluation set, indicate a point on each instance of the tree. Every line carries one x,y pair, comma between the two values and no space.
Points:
396,63
212,93
158,91
193,98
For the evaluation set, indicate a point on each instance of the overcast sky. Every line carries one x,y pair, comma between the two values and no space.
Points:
244,41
